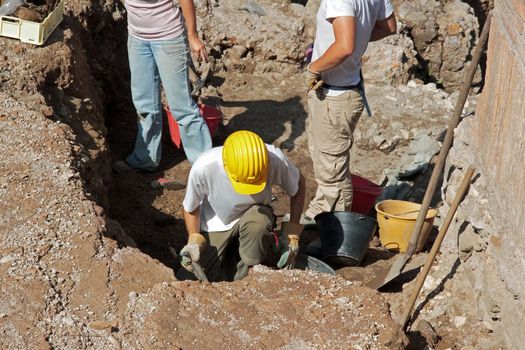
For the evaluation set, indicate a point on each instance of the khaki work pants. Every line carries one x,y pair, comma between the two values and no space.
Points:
332,121
230,253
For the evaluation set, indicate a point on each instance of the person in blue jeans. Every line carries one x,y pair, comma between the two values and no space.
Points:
159,40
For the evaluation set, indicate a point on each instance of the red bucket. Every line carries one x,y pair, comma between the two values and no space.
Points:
365,194
212,116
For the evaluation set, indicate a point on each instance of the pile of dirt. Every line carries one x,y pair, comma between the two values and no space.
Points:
272,40
268,309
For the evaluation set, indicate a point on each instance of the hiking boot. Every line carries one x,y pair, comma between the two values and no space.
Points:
167,184
305,220
122,167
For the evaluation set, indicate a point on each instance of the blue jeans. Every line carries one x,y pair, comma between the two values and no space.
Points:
150,63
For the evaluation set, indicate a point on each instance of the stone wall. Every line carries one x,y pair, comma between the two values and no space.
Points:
491,219
443,33
500,132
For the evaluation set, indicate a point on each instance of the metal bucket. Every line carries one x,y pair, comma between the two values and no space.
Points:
345,236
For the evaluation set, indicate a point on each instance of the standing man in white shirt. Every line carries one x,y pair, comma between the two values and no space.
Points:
227,208
336,93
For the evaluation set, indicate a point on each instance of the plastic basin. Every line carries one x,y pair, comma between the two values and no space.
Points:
212,116
345,236
365,194
395,228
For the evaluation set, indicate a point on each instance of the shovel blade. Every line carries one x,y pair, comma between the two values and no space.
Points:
390,274
198,271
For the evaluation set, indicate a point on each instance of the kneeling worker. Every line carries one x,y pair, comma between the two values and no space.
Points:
227,208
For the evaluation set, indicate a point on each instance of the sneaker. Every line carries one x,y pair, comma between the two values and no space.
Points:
122,167
305,220
168,184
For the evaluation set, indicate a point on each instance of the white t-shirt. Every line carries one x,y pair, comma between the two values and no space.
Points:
366,13
220,205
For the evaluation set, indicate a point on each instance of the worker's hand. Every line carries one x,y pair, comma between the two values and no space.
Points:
313,79
292,231
293,243
192,251
289,236
198,48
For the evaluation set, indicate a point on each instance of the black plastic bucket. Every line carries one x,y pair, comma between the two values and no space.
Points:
345,236
315,249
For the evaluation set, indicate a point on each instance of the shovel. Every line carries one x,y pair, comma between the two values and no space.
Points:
397,267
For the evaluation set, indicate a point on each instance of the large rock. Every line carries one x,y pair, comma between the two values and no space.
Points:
390,61
444,35
312,6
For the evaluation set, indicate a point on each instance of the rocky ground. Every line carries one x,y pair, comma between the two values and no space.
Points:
84,258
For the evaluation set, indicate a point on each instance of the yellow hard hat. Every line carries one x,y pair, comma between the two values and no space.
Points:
245,159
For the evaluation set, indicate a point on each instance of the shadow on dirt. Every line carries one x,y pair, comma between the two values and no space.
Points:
133,199
417,341
269,118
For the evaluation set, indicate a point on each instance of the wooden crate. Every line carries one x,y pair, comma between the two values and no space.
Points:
32,32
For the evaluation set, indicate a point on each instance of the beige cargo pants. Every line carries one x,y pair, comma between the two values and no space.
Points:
332,121
230,253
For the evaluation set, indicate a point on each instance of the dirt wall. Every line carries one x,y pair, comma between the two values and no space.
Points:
490,221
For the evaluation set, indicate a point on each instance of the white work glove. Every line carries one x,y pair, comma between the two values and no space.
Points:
192,251
289,237
313,79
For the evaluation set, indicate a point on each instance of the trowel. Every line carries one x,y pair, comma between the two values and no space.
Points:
307,262
198,271
199,77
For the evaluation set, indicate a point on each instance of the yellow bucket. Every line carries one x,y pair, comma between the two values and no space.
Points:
396,221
